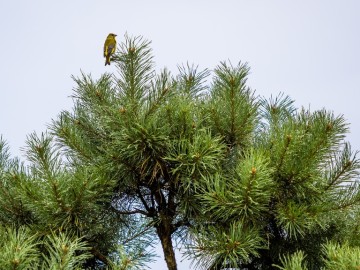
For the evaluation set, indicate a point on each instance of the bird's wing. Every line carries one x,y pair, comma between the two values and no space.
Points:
109,49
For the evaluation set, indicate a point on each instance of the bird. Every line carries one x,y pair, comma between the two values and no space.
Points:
109,47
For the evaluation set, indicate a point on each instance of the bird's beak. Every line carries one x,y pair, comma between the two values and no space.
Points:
115,35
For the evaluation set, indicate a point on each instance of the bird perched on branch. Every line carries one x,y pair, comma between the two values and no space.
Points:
109,47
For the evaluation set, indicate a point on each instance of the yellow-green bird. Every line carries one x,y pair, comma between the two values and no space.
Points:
109,47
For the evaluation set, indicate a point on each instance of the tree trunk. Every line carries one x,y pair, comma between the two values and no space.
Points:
164,231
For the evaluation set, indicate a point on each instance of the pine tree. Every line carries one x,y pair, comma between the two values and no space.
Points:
238,181
288,192
144,136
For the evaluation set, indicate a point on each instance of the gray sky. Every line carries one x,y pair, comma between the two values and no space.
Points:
310,50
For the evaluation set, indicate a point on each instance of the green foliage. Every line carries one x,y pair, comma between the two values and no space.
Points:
229,247
18,249
233,107
335,257
11,173
22,249
197,158
242,195
341,257
293,262
65,253
50,196
129,259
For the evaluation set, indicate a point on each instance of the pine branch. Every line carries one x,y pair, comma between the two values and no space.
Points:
97,254
136,211
283,153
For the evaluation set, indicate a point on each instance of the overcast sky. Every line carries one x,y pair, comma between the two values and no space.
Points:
310,50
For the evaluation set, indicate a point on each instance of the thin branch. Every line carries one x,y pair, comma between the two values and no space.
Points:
337,177
147,227
136,211
97,254
138,192
180,223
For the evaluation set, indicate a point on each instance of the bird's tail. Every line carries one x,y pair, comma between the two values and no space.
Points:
107,61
